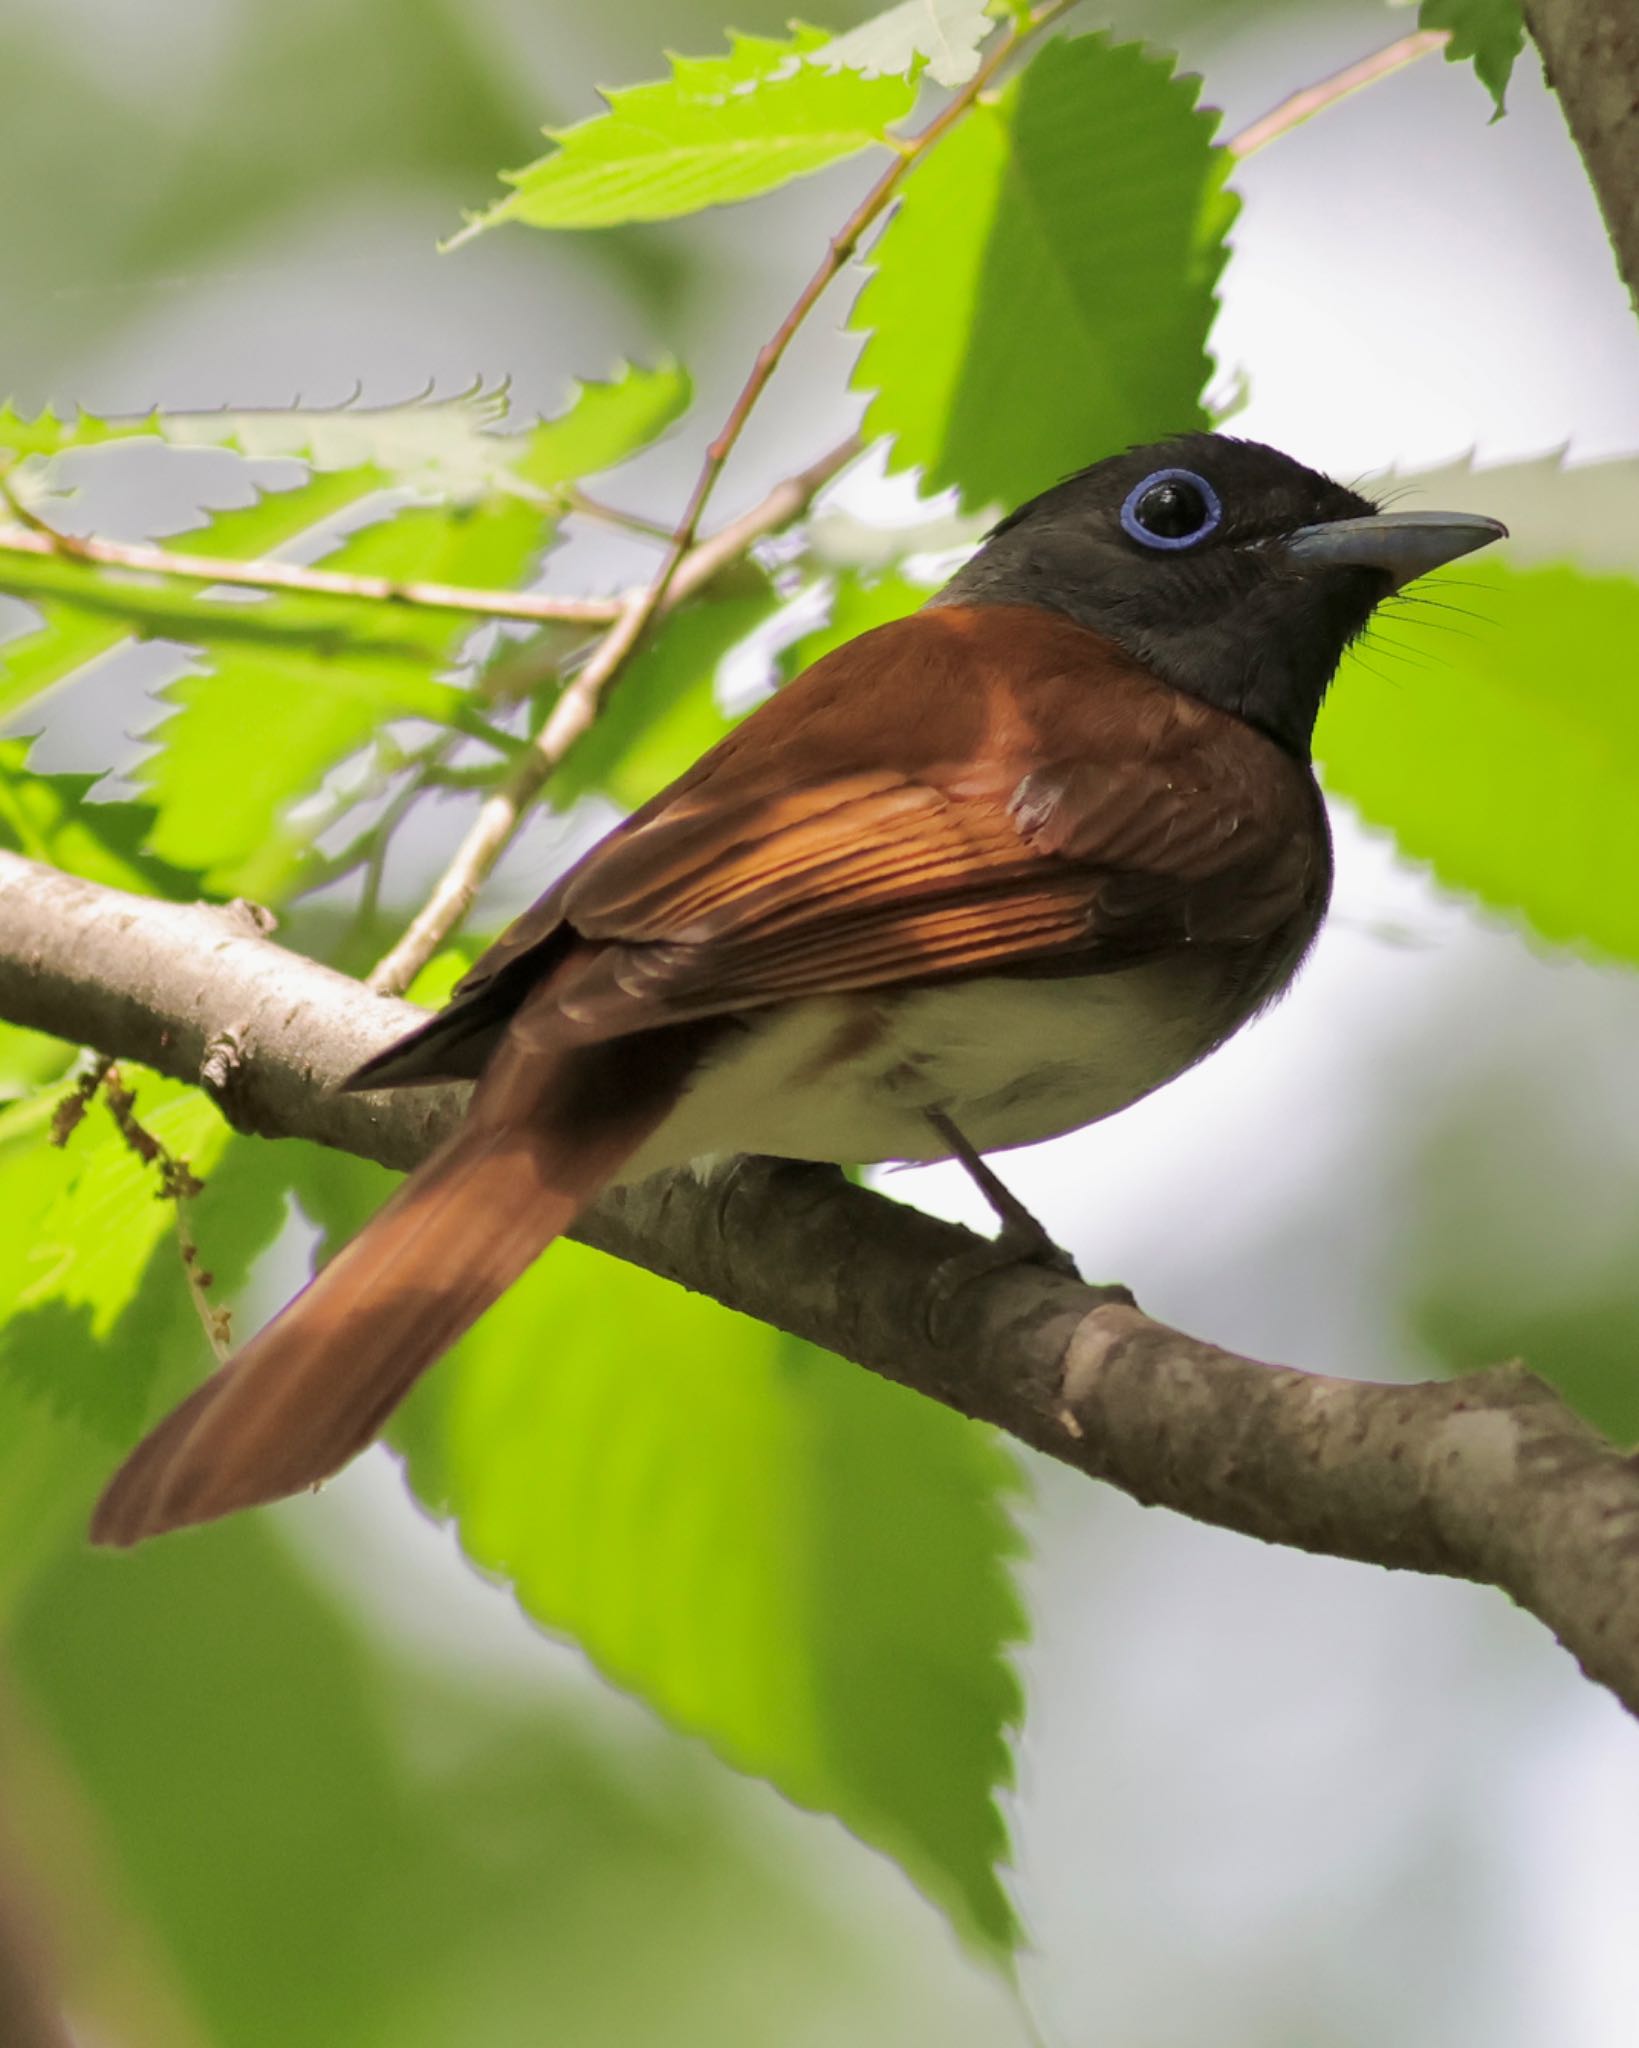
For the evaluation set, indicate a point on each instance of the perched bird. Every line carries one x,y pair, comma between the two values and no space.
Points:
985,874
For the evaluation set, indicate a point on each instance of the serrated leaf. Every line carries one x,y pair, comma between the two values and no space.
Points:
51,818
1090,194
49,433
665,712
259,1770
942,35
1509,759
85,611
462,447
720,129
775,1550
1491,32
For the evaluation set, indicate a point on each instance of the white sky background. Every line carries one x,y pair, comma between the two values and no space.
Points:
1265,1799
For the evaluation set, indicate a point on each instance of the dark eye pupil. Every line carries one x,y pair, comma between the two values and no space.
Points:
1171,511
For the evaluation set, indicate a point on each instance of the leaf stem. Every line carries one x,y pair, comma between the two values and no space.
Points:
1298,107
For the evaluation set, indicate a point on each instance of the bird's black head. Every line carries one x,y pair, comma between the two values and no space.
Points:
1228,569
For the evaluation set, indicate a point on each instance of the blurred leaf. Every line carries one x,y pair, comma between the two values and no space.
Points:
800,1562
719,129
51,818
1492,32
85,611
665,712
460,446
603,425
858,603
1512,765
942,34
95,1312
776,1550
260,731
51,433
265,1827
1090,193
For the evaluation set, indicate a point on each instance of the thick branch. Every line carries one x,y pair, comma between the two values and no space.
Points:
1489,1478
1590,52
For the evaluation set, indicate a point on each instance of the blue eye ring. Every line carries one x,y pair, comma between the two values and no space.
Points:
1135,529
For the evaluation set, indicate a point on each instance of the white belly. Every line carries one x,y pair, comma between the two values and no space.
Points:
1010,1062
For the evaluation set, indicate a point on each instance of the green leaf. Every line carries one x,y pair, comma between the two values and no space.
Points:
219,1762
96,1316
52,818
664,713
1511,763
1492,32
858,603
85,611
943,35
1088,193
603,425
49,433
461,447
777,1551
720,129
268,723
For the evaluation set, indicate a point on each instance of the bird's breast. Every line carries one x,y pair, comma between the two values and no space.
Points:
1010,1060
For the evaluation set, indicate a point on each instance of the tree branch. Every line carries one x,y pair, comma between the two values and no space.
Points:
1590,53
1489,1478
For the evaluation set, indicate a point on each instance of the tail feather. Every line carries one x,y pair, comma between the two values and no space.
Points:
546,1131
312,1389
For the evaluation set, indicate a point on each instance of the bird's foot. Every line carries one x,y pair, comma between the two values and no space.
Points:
1018,1243
1023,1239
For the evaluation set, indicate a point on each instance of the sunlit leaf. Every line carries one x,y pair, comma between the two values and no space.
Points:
1044,294
1508,757
778,1551
603,425
857,604
243,1772
800,1562
942,34
1491,32
95,1313
460,447
267,723
719,129
51,818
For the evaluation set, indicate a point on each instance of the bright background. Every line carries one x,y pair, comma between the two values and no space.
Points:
1263,1799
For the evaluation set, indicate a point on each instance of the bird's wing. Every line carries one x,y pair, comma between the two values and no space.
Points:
1021,794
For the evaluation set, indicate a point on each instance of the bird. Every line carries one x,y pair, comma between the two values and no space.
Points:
979,876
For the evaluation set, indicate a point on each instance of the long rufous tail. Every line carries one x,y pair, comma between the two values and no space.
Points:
312,1389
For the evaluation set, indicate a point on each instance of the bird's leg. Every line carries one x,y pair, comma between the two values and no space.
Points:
1022,1240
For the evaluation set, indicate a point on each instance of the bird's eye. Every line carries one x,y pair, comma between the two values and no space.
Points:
1174,508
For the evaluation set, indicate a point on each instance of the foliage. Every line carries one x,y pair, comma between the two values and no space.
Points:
1090,193
1491,32
719,129
807,1568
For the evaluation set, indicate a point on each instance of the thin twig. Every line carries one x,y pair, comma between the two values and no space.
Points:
578,706
35,537
1313,99
575,710
178,1184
